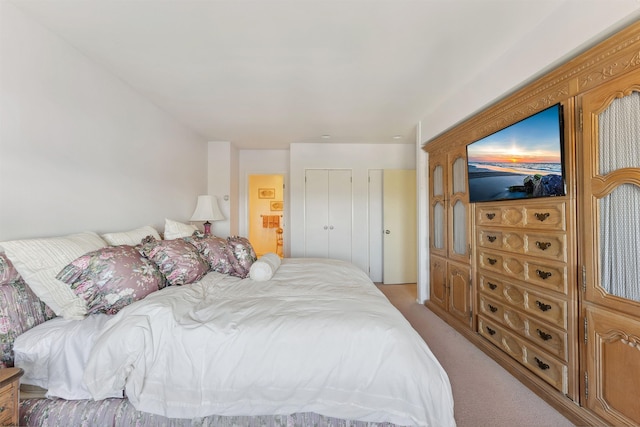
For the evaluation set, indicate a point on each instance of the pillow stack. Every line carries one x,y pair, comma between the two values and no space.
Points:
84,273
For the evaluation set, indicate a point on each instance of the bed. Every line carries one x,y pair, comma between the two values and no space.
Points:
307,342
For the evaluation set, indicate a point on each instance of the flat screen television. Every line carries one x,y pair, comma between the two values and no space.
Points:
521,161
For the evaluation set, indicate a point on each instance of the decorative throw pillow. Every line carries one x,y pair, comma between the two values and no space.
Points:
20,310
8,272
111,278
265,267
39,260
244,254
216,251
177,230
132,237
178,260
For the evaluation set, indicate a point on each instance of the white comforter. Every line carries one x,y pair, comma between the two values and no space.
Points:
317,337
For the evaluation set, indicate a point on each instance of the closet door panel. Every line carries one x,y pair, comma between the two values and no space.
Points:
340,214
316,214
328,213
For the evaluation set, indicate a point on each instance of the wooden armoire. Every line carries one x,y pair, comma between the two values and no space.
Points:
550,287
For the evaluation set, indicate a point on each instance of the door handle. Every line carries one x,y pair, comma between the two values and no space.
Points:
387,232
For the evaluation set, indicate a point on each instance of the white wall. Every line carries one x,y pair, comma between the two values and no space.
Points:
221,160
360,158
79,150
573,27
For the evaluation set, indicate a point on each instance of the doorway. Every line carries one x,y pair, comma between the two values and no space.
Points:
265,213
392,226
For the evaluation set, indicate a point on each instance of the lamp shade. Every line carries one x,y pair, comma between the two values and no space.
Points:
207,210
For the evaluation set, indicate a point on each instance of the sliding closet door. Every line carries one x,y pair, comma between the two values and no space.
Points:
610,258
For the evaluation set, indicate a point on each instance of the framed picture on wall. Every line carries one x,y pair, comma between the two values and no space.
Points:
277,206
266,193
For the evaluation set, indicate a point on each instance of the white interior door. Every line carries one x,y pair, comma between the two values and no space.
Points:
316,214
376,226
400,226
328,213
340,214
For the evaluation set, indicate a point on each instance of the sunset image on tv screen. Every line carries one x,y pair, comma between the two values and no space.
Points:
523,160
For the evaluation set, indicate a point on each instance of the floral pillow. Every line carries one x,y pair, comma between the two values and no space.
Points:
216,251
20,310
8,272
111,278
244,254
177,259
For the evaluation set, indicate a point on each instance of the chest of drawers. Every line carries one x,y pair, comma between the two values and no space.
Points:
523,283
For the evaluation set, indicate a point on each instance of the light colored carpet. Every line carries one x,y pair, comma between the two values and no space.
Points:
484,393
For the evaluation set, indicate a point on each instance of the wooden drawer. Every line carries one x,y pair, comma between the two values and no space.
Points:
547,274
549,338
550,245
492,308
537,303
8,403
542,216
536,360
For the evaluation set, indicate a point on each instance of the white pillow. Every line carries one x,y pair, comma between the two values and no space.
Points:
54,355
132,237
176,230
39,261
265,267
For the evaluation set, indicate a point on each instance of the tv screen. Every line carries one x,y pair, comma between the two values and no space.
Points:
522,161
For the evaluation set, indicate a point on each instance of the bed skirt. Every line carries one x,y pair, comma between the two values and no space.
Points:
121,413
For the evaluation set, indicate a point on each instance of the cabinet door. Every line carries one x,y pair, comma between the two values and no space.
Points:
438,276
437,204
613,366
340,214
611,194
610,252
458,245
459,282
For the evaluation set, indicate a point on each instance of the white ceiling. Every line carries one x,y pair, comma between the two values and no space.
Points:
264,74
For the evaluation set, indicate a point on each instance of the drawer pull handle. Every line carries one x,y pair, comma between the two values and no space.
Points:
542,306
493,308
491,238
493,286
541,364
545,336
542,216
490,216
491,331
492,261
2,408
543,246
544,275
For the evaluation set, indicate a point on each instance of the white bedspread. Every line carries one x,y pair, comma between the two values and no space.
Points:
317,337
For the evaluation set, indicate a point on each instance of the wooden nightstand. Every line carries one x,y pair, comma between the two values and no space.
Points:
9,395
